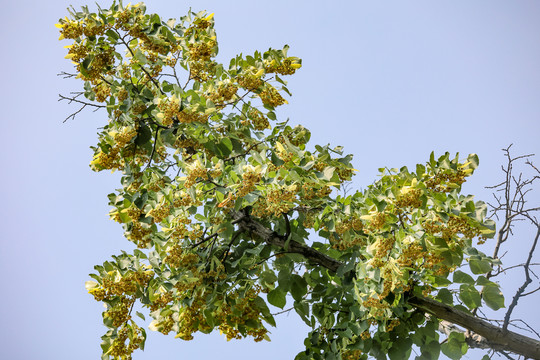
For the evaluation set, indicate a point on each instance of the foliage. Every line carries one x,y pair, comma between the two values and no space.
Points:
200,150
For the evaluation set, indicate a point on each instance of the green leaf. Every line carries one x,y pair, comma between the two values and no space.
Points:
445,296
284,278
473,158
112,35
265,311
431,349
462,278
268,278
298,287
482,280
140,57
327,173
302,309
455,347
276,297
470,296
144,135
140,315
479,265
85,65
401,349
493,297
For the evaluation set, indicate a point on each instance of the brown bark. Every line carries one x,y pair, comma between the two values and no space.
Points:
497,338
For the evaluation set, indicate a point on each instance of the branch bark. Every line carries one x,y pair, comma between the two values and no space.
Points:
497,338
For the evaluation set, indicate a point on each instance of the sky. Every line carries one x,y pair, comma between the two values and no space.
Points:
390,81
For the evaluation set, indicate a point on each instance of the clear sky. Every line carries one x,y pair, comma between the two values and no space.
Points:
391,81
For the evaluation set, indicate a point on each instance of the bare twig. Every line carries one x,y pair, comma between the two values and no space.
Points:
75,100
526,283
282,312
512,206
66,75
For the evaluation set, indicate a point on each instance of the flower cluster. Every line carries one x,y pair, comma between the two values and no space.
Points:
287,67
409,197
201,70
376,221
449,230
250,82
138,232
278,201
283,153
270,96
313,191
115,284
109,160
351,355
243,312
411,253
70,29
178,227
124,136
120,312
115,157
195,170
202,51
377,307
169,110
187,116
223,93
160,212
188,145
122,350
380,249
446,180
182,199
258,120
251,176
177,257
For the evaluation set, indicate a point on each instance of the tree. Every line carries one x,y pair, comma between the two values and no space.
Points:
232,210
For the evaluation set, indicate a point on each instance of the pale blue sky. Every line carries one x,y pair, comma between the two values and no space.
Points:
389,80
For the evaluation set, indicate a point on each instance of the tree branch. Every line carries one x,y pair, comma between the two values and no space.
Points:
497,338
83,103
271,237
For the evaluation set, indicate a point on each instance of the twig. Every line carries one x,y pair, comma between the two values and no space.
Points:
282,312
209,237
142,67
153,148
526,283
84,104
66,75
226,253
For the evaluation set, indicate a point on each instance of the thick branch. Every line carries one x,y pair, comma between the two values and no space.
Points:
473,340
497,338
273,238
